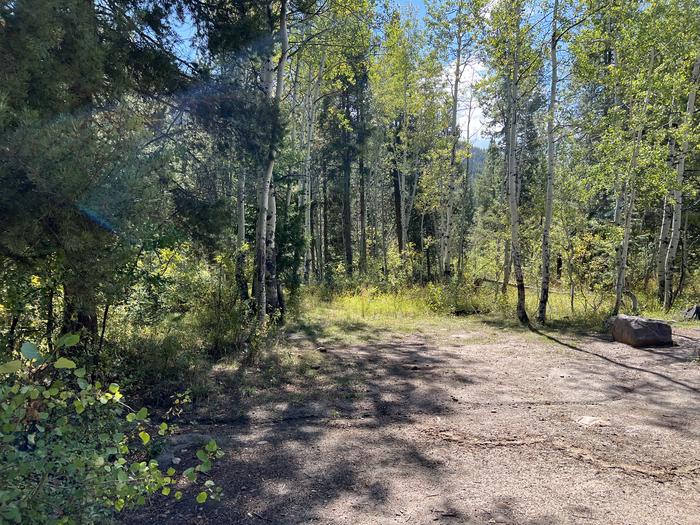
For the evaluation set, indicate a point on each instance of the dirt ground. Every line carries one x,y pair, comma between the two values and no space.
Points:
464,422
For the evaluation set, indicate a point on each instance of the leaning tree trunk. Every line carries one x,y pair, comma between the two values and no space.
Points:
677,195
549,197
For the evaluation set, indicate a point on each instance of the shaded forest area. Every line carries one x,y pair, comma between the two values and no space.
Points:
180,178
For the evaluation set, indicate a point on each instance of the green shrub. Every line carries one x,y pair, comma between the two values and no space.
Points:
72,451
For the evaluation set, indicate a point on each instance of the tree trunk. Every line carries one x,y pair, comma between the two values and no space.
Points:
398,198
310,126
347,212
363,216
549,193
513,175
241,282
662,246
677,194
264,194
326,245
271,284
12,333
79,312
631,187
447,226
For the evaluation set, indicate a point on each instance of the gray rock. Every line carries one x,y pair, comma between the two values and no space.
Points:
692,313
178,442
638,331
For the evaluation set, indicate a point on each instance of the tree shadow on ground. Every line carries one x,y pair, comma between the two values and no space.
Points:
282,464
327,436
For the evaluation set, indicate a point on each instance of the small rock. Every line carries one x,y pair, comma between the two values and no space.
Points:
322,349
180,442
591,421
501,518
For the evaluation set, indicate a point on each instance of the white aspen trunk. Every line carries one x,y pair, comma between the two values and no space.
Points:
629,208
465,189
273,298
264,194
662,246
310,128
513,174
446,237
665,230
677,194
549,198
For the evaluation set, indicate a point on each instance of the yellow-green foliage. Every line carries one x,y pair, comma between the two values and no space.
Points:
370,303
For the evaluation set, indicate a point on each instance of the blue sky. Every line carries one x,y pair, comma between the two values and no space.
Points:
417,4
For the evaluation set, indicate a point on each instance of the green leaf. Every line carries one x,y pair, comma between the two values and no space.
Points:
205,466
119,504
68,340
30,351
144,437
82,383
114,388
130,417
211,446
62,362
165,491
142,414
79,372
79,407
170,471
201,497
10,367
190,474
202,456
178,495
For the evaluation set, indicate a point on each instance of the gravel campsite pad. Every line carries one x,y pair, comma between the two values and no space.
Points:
461,423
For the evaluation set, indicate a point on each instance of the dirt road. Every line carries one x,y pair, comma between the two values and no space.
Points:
467,423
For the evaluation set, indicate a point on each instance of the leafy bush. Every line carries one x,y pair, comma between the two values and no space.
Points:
71,450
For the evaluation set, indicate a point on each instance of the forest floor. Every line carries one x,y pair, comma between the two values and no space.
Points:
454,421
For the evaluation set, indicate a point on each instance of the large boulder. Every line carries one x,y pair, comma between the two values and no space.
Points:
638,332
